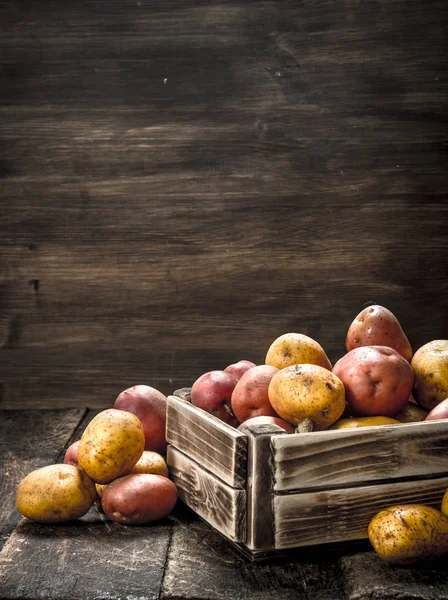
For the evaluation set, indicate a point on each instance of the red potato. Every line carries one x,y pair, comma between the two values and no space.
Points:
149,405
212,392
239,368
264,420
71,455
378,326
377,380
250,396
438,412
139,498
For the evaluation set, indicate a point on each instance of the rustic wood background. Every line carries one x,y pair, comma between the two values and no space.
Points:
182,181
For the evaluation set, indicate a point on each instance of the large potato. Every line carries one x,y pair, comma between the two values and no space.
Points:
149,405
363,422
250,396
409,533
111,445
213,391
430,364
139,498
378,326
307,392
377,380
55,494
296,348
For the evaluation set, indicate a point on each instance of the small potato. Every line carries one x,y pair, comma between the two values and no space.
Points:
307,392
377,380
430,364
267,421
55,494
296,348
71,455
139,498
378,326
239,368
149,405
363,422
111,445
409,533
411,413
250,396
438,412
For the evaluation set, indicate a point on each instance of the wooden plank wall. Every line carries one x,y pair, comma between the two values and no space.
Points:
183,181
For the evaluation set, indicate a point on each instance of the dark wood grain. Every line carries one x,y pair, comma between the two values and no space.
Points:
29,440
336,459
182,182
214,445
221,505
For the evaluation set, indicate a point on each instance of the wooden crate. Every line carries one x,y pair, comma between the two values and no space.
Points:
266,490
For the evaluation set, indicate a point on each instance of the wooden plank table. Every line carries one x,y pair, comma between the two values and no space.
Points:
179,557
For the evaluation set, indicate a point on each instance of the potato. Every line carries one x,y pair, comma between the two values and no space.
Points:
212,392
149,405
377,326
438,412
430,364
111,445
71,455
296,348
139,498
411,413
377,379
250,396
267,421
149,462
445,504
307,392
409,533
55,494
363,422
239,368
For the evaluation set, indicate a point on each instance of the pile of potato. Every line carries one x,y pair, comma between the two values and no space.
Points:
118,459
378,381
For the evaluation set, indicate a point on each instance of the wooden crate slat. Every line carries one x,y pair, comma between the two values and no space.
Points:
340,515
330,459
220,505
215,445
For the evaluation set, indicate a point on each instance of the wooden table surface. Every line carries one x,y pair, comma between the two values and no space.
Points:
180,557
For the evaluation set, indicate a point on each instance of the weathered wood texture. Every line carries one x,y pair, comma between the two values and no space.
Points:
216,446
219,504
183,181
29,440
338,515
330,459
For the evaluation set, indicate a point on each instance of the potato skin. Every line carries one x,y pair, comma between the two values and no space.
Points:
139,498
212,392
55,494
71,455
250,396
363,422
263,420
296,348
149,405
377,379
378,326
111,445
445,504
307,392
430,365
411,413
438,412
407,534
239,368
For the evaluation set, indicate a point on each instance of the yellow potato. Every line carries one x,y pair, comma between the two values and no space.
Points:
55,494
409,533
430,365
296,348
363,422
111,445
307,392
411,413
445,504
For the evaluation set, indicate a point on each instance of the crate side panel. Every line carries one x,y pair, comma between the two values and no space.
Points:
330,459
213,444
342,515
220,505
